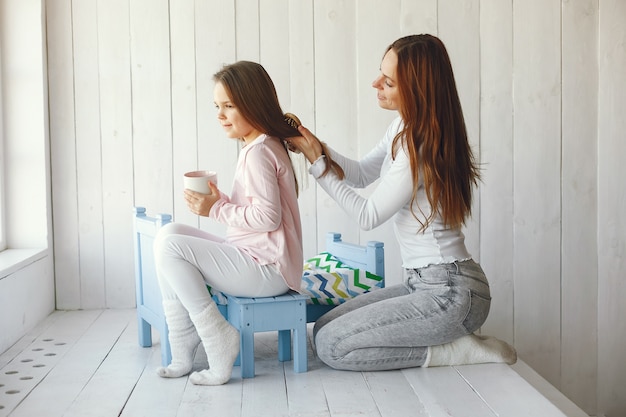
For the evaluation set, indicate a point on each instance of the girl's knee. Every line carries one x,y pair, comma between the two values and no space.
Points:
162,237
166,232
169,229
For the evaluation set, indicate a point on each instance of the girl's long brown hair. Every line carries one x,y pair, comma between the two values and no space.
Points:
434,133
252,91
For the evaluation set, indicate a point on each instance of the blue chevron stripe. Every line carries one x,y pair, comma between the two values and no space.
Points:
323,283
309,289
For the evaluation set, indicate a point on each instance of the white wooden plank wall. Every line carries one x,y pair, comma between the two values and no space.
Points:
88,152
579,279
336,49
131,109
611,208
536,182
116,142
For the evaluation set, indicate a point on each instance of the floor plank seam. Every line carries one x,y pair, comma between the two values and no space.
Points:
478,394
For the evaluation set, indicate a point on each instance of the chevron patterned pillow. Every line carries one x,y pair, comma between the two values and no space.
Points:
329,281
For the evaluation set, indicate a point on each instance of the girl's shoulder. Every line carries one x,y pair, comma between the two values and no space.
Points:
265,140
266,147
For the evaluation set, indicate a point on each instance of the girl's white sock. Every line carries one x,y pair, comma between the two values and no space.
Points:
183,340
221,343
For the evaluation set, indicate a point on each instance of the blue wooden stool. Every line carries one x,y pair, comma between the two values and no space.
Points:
285,313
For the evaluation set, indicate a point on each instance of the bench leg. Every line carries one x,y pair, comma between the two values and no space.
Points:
246,352
145,333
300,360
284,345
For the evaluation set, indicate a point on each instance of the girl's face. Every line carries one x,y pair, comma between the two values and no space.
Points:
386,83
234,124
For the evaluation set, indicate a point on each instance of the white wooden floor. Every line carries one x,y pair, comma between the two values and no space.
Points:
88,363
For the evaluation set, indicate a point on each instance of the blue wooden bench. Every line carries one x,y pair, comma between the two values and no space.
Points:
285,313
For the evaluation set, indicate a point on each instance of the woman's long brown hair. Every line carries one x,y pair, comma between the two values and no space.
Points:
434,133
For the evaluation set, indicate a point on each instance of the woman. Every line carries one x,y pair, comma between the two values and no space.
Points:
261,254
427,171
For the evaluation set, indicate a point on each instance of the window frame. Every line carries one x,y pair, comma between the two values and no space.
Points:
3,241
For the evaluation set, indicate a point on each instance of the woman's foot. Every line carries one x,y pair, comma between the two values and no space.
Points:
471,349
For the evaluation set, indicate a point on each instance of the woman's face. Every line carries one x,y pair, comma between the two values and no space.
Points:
386,83
233,123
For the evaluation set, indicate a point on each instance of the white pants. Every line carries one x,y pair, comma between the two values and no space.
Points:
187,259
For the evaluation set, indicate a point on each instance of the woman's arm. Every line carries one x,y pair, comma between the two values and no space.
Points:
392,193
360,174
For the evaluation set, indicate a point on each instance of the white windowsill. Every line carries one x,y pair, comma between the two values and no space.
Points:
12,260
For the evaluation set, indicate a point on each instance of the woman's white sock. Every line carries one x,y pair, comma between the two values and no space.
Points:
471,349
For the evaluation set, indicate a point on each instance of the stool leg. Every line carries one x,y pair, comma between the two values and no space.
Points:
145,335
284,345
300,360
246,351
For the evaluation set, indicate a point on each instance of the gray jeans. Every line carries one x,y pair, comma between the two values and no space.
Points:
391,328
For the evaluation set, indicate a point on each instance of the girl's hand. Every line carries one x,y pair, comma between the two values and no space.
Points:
201,204
308,144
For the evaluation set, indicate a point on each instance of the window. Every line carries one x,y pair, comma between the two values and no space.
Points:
26,263
24,226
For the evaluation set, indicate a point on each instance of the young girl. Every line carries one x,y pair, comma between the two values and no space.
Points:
261,254
427,171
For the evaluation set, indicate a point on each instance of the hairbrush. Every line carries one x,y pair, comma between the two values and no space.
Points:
292,120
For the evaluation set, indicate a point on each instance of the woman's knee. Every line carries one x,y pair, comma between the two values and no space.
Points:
325,345
334,349
321,322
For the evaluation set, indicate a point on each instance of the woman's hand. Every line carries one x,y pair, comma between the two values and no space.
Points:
201,204
308,144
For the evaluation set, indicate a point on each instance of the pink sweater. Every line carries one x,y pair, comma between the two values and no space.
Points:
262,213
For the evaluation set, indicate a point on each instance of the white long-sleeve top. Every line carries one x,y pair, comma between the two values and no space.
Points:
392,199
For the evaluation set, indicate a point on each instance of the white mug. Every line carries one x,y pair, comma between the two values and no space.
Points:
198,181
